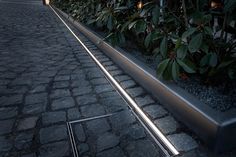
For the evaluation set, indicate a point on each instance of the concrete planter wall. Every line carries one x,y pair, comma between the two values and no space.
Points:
217,129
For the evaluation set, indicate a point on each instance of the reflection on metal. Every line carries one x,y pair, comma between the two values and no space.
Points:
149,124
91,118
46,2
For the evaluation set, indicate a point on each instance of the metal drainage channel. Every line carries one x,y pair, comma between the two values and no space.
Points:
157,135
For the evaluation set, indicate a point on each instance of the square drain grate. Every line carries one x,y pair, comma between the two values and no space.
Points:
117,135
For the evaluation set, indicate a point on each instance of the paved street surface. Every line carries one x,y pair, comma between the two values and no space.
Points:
47,80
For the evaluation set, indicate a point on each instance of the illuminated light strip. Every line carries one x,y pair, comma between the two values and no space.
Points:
139,111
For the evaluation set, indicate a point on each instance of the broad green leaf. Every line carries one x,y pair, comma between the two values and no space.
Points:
121,37
140,26
167,74
189,32
148,40
186,68
175,70
195,43
163,47
110,23
204,47
161,67
225,64
232,73
156,51
205,60
131,25
207,18
155,15
208,30
230,5
213,60
182,51
156,35
125,26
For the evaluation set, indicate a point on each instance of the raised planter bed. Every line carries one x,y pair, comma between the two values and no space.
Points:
214,127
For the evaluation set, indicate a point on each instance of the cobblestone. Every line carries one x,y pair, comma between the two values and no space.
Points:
34,108
5,144
116,152
128,84
134,92
61,84
62,103
106,141
29,155
11,100
53,133
27,123
155,111
8,112
53,117
83,148
60,93
82,90
6,126
146,100
141,148
103,88
92,110
36,98
57,149
167,125
24,140
98,127
86,99
182,142
79,132
73,114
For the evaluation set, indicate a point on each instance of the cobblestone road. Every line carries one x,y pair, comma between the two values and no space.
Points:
46,80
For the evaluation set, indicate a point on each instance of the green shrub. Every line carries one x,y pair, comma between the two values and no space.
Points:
182,35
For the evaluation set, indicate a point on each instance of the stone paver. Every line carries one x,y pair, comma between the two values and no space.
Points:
106,141
57,149
183,142
53,133
27,123
62,103
6,126
53,117
167,124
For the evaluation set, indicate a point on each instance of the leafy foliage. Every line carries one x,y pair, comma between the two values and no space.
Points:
187,36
